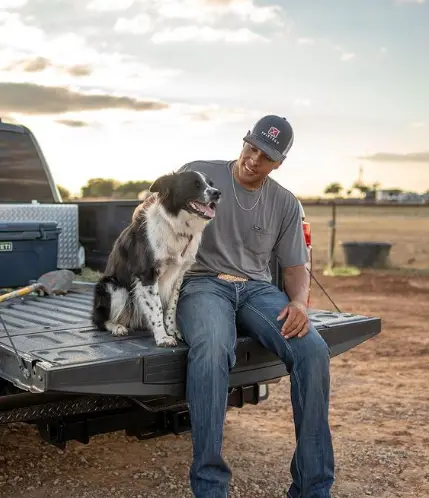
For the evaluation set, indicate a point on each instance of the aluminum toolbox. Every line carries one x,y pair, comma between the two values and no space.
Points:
71,254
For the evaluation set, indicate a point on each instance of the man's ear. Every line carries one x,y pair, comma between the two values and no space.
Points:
162,184
244,142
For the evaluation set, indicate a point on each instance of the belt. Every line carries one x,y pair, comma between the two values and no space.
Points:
231,278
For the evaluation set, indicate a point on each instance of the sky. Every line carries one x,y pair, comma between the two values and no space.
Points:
133,89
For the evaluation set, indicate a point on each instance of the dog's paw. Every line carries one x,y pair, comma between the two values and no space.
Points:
174,332
178,335
119,330
166,342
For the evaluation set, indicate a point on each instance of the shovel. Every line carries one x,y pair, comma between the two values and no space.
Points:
53,282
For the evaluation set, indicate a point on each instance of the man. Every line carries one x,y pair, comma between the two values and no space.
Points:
229,288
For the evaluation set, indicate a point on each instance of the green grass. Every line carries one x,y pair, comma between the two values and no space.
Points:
342,271
88,275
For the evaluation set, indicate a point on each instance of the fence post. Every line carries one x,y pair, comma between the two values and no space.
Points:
332,226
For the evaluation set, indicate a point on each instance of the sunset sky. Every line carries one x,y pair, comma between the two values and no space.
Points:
132,89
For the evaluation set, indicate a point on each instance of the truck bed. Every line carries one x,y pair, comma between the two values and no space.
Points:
62,352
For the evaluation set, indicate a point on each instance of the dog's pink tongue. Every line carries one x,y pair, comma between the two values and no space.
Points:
207,210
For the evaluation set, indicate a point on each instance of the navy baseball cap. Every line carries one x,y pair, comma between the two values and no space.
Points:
273,135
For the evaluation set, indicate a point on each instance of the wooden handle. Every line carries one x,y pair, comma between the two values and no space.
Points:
20,292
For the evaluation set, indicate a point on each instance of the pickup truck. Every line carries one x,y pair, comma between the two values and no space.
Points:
71,381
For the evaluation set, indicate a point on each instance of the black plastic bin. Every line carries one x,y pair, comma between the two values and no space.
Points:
367,254
27,250
100,223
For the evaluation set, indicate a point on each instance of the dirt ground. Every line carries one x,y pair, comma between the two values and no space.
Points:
379,418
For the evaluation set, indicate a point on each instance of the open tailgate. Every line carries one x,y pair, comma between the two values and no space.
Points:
61,351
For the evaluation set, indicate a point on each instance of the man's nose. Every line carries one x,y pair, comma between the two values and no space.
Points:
256,157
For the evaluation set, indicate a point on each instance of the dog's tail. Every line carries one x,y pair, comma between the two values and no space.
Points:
102,303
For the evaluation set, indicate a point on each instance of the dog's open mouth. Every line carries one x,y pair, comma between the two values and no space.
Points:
206,211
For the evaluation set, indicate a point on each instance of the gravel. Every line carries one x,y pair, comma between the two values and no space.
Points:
379,419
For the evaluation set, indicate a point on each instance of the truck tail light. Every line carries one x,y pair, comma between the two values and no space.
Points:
307,236
307,232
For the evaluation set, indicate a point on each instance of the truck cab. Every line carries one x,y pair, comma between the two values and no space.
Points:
24,173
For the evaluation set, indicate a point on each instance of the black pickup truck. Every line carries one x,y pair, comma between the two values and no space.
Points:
73,382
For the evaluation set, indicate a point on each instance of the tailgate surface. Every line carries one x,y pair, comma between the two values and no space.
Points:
62,351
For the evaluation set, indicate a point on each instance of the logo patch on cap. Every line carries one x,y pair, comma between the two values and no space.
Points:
273,132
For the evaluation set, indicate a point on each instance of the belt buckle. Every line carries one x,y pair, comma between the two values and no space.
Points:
231,278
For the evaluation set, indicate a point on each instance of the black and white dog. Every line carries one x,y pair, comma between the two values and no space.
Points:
140,286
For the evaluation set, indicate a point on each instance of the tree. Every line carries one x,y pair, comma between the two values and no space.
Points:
131,190
333,188
99,187
65,194
363,189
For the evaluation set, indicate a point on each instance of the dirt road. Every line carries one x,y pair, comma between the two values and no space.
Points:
379,417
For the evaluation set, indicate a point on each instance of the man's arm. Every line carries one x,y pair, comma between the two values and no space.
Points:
296,286
293,256
297,283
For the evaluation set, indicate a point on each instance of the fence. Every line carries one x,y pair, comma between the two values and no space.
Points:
406,227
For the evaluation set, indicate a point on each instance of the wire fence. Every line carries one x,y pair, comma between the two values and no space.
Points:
405,227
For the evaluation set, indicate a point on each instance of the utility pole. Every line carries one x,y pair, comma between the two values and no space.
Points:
332,225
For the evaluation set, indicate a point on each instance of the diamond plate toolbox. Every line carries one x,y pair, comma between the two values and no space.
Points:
70,252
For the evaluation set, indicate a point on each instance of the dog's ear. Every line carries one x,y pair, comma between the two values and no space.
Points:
162,184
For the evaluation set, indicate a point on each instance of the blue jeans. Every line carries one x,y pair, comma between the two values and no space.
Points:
209,313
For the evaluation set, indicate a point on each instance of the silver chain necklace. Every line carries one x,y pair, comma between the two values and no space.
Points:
235,193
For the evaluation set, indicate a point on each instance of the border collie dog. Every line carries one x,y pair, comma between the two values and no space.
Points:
140,286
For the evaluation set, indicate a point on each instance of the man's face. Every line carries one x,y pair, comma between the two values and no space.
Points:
253,166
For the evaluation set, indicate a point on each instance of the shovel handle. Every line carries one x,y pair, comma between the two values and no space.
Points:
20,292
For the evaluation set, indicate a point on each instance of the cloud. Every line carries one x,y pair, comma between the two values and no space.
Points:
420,2
13,4
28,98
306,41
347,56
109,5
72,123
31,55
39,64
17,35
206,34
29,65
387,157
216,112
419,124
203,12
138,25
302,102
9,119
79,70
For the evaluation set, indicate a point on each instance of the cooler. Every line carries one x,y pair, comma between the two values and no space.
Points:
27,250
71,254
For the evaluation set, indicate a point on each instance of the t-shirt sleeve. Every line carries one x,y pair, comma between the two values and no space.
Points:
182,168
290,247
185,167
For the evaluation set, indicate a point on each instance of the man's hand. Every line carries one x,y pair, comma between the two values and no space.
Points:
296,323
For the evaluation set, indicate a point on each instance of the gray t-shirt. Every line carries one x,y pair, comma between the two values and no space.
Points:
240,242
